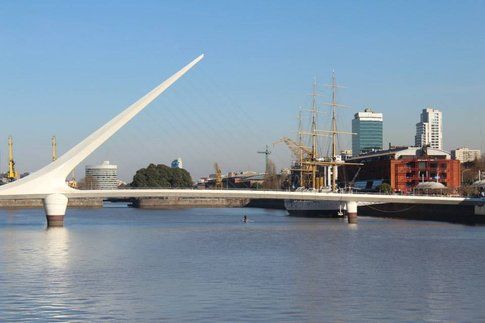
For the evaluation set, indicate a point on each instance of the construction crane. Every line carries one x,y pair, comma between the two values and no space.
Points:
266,152
218,178
54,148
295,148
12,173
72,182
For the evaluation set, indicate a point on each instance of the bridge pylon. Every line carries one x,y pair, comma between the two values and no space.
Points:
352,211
55,206
49,182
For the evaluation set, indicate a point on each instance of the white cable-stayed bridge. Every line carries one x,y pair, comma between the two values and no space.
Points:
49,183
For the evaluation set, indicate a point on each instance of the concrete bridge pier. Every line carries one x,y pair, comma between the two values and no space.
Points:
55,208
352,211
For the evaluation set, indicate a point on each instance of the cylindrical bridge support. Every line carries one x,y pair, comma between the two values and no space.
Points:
55,208
352,211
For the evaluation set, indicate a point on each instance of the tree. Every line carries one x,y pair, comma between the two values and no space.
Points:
271,180
161,176
385,188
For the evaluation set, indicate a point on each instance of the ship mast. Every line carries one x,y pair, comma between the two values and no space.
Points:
314,133
334,132
300,144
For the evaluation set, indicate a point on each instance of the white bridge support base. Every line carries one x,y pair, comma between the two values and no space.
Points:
480,209
55,208
352,211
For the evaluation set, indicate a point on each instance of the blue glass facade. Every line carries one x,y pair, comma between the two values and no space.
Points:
368,136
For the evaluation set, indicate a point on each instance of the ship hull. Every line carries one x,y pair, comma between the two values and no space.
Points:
314,209
463,214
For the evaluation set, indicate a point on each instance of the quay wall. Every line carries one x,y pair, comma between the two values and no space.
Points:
180,202
37,203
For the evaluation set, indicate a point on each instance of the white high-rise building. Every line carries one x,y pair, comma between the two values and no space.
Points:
429,131
466,154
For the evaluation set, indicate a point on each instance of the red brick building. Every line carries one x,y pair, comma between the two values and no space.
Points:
404,168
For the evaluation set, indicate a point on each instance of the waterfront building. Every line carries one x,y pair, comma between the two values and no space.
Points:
177,163
465,155
101,177
429,130
404,168
367,126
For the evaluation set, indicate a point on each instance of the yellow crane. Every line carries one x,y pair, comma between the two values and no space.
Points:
12,173
54,148
296,148
218,178
72,182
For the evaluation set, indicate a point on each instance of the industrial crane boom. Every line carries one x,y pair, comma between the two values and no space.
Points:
218,178
54,148
295,148
12,173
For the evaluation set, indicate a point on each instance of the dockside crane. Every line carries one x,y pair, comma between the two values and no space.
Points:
266,153
72,182
218,178
295,148
54,148
12,174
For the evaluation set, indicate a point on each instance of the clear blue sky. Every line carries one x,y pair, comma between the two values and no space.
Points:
67,67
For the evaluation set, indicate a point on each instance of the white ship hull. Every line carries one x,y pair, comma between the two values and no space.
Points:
322,209
330,209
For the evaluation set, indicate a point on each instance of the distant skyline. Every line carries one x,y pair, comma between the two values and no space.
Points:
68,67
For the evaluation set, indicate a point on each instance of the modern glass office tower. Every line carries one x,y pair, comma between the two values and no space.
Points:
368,128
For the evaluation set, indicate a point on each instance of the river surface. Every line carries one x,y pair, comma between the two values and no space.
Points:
125,264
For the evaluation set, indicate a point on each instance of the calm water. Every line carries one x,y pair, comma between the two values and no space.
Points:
206,265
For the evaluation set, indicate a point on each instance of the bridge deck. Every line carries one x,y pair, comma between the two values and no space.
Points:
252,194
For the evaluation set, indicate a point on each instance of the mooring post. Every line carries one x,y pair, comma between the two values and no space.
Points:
352,211
55,208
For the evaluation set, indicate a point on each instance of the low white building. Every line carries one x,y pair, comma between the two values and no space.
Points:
101,177
466,154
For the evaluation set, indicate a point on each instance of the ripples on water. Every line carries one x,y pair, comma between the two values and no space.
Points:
206,265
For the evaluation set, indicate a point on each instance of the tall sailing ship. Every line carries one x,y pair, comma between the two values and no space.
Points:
311,171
